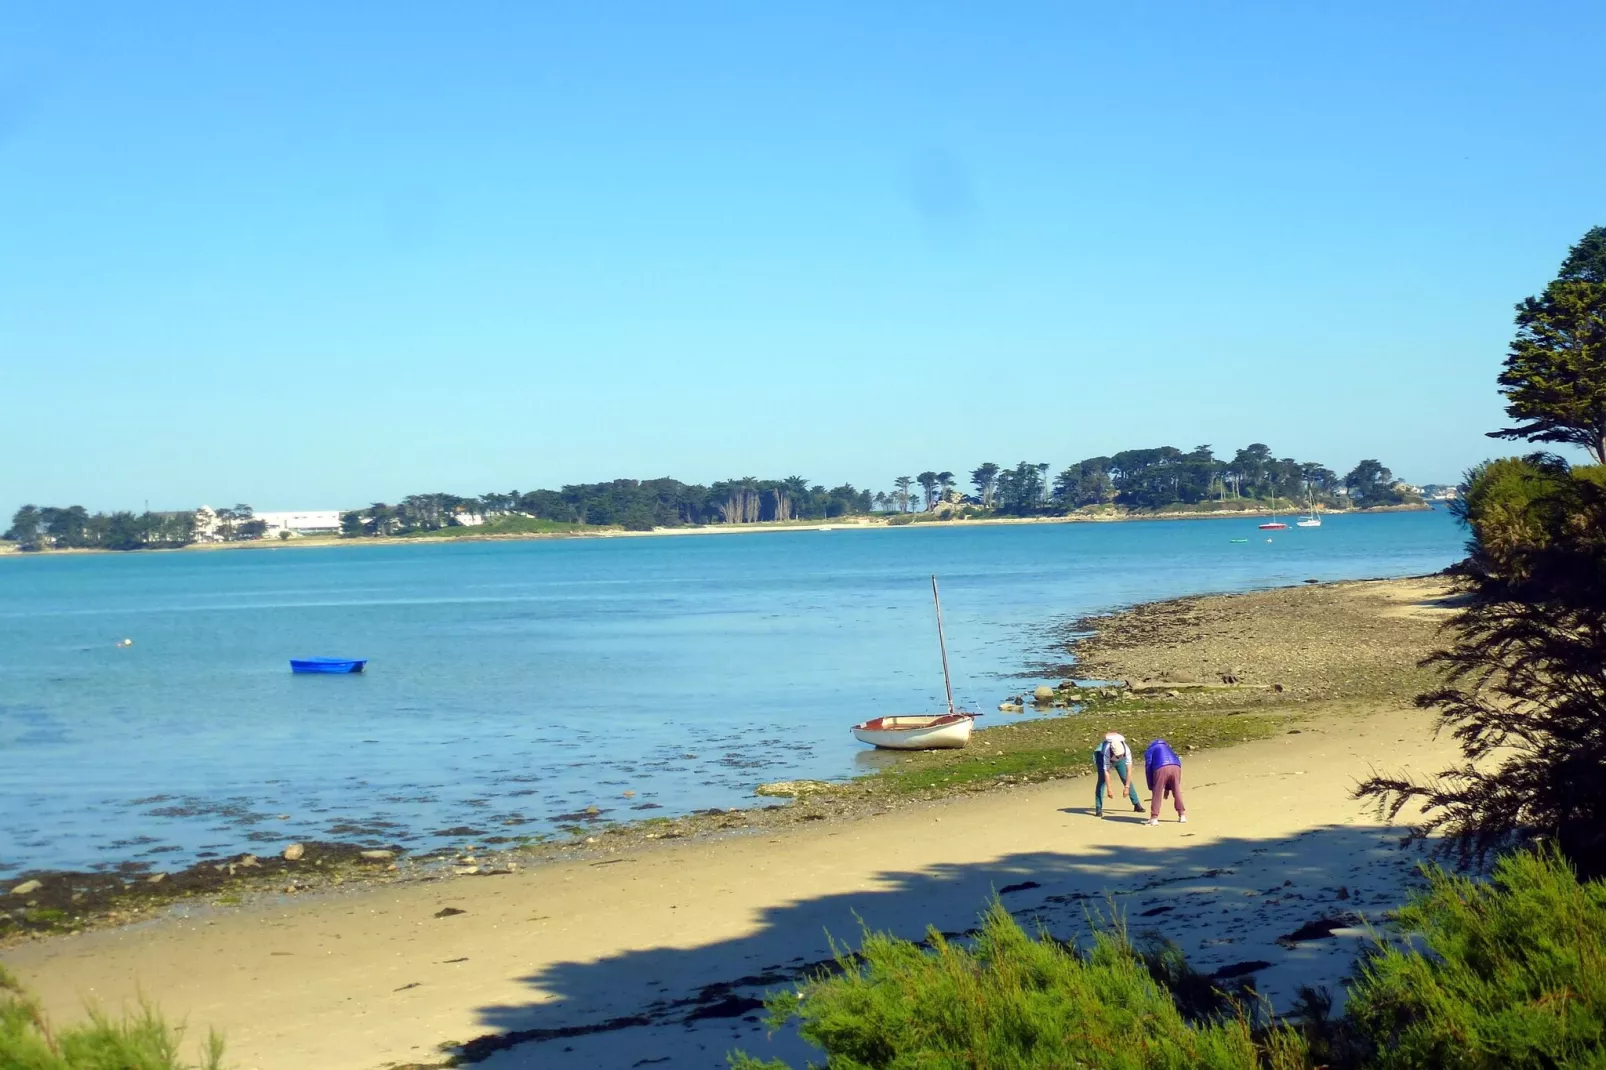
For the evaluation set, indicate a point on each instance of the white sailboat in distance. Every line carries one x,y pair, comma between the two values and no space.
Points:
1311,520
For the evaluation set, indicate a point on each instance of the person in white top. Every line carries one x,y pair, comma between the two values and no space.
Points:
1113,757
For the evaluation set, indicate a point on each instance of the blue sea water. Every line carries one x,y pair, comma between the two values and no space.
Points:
512,683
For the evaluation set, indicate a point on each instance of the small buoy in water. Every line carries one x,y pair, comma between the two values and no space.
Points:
125,642
1268,540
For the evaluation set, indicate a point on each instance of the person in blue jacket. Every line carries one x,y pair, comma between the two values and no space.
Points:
1163,770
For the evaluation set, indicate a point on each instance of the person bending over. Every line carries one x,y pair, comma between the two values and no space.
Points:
1113,758
1163,770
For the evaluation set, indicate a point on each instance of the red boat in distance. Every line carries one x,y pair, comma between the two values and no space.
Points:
1274,524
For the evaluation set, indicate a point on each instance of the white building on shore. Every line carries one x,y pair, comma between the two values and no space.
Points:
209,527
307,522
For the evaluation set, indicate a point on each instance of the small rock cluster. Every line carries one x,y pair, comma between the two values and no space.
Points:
1063,696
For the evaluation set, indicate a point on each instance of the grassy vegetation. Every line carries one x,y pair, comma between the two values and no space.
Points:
1018,1002
139,1040
1507,974
1049,748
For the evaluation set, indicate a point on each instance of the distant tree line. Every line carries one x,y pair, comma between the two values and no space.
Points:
1153,479
1135,479
75,528
635,505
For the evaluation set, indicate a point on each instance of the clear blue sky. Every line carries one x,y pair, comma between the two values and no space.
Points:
312,255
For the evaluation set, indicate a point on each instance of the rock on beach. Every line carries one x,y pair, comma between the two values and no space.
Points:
792,789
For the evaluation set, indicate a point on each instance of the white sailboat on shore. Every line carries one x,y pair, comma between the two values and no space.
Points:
937,731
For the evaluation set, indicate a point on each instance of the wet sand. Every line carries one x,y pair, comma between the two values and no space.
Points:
1355,641
657,953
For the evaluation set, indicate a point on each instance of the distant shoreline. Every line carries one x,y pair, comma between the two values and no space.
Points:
852,524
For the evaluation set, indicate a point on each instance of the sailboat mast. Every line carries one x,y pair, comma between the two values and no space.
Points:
942,645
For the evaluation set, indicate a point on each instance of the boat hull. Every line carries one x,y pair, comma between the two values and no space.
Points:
1309,524
948,731
1274,527
327,666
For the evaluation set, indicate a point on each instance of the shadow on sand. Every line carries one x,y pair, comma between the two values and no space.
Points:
1282,912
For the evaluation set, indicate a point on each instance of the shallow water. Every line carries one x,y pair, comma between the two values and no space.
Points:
513,683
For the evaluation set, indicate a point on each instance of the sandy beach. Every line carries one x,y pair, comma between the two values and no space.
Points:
656,953
661,952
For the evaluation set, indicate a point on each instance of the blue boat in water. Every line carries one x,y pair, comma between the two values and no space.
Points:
327,665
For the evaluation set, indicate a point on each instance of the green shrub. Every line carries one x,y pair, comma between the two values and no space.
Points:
1505,974
138,1041
1514,974
1018,1002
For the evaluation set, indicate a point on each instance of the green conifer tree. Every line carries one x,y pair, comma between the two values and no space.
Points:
1554,379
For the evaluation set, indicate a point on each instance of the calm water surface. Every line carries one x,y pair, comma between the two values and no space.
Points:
510,684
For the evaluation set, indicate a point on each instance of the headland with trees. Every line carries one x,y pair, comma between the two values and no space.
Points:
1154,481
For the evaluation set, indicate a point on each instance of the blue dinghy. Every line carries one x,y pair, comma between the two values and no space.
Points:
327,664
